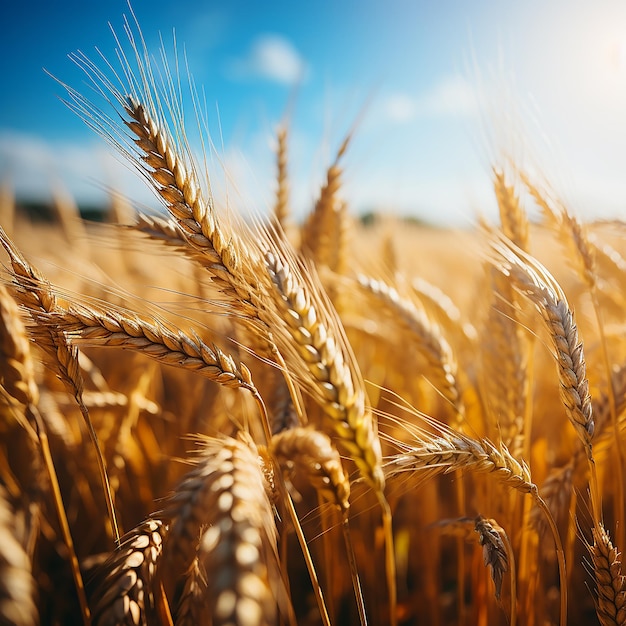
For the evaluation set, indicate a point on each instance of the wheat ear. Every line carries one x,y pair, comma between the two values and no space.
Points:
220,512
428,339
495,554
497,551
111,327
19,397
281,203
101,324
504,366
17,587
175,180
311,337
310,340
129,594
17,371
535,282
607,565
322,223
311,453
582,249
452,451
192,608
456,451
513,218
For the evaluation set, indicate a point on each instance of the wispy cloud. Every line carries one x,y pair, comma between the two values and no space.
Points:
34,167
451,96
271,57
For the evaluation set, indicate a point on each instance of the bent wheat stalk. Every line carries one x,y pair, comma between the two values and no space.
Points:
535,282
312,340
103,324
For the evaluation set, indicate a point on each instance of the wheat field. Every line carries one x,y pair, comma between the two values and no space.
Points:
214,420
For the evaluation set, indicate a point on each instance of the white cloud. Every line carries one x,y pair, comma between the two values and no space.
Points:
451,96
400,107
34,167
271,57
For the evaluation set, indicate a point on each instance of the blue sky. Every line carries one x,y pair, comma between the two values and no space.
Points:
436,89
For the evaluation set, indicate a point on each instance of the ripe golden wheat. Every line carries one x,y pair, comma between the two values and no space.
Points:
328,424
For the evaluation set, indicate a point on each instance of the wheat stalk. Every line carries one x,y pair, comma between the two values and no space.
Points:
512,215
17,371
192,608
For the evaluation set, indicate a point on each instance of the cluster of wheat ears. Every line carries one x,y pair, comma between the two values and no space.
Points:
212,420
